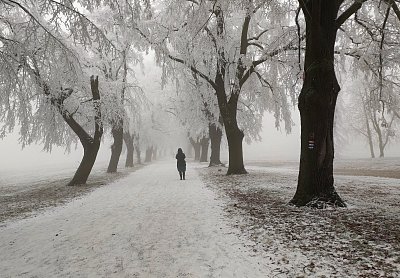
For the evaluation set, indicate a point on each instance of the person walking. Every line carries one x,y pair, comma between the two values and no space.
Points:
181,163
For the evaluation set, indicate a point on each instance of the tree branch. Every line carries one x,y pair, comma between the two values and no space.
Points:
258,36
349,12
256,44
195,70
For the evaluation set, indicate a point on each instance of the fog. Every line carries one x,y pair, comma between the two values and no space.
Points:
275,145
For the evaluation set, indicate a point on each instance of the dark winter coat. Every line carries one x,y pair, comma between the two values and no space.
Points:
180,161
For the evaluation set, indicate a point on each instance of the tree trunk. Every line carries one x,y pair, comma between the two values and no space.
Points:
128,138
235,139
118,125
189,152
369,135
381,148
371,146
317,103
204,142
149,154
234,135
138,155
90,145
378,130
116,148
215,137
197,148
85,167
155,153
228,108
380,138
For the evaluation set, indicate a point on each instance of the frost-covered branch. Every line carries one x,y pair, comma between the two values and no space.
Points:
194,69
357,4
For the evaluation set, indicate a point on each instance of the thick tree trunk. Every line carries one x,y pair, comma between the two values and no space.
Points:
90,145
204,142
116,148
215,137
118,125
149,154
128,138
235,139
234,135
317,103
85,167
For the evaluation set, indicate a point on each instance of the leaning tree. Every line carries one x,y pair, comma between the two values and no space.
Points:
49,50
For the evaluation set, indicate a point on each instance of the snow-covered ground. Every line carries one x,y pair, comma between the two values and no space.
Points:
151,224
362,240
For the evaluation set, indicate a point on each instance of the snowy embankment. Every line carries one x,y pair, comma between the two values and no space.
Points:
149,224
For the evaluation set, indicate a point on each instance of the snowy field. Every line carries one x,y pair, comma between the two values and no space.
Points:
150,224
23,192
362,240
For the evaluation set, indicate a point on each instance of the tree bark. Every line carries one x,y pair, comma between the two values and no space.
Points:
90,145
116,148
204,149
235,139
128,138
228,108
215,134
118,125
234,135
317,103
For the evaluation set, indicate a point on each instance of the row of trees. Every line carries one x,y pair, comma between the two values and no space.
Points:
233,46
229,62
67,76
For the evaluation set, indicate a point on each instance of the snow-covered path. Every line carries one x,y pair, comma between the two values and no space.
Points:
149,224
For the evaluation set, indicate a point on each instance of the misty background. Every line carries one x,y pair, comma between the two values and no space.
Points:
275,143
